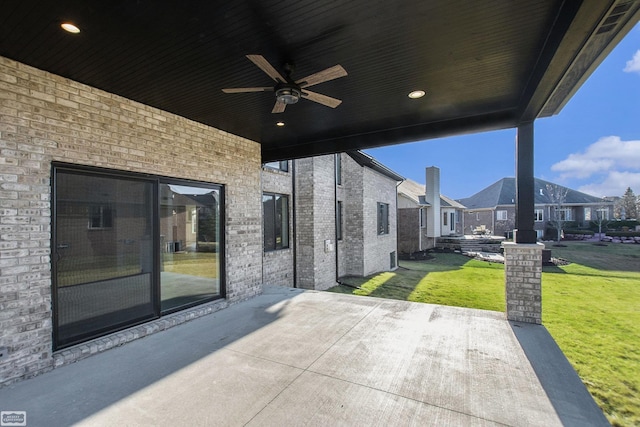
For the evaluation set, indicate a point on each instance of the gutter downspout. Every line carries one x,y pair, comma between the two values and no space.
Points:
398,224
293,220
419,228
335,213
262,227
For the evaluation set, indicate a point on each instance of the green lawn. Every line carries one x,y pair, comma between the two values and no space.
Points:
201,264
448,279
591,307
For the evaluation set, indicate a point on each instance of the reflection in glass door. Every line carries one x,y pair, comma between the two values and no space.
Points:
103,254
190,243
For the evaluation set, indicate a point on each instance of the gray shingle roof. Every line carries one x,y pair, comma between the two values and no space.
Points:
416,192
503,192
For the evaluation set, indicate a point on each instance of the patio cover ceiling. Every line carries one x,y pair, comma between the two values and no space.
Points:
484,65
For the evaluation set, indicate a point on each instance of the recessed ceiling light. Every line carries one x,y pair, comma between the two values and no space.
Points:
416,94
280,124
69,27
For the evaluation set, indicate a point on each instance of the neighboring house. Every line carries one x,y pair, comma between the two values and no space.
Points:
348,199
493,208
424,214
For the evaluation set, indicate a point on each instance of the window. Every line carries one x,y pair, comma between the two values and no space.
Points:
563,214
276,221
538,215
338,169
134,261
445,215
383,218
423,217
501,215
452,224
339,221
392,260
602,213
100,217
282,165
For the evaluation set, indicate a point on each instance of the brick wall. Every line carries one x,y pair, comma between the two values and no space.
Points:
45,118
476,218
352,246
277,266
408,230
315,217
377,248
523,281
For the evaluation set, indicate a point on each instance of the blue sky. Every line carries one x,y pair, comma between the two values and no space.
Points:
593,145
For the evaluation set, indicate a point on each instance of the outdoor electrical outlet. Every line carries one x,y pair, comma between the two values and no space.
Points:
4,351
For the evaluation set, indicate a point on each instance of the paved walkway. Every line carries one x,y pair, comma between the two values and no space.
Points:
291,357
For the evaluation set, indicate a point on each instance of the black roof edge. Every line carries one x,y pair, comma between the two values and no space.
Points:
364,159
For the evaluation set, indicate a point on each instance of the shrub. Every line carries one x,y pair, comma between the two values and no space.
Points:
578,231
618,224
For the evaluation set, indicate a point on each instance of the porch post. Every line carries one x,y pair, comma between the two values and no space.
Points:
523,257
524,232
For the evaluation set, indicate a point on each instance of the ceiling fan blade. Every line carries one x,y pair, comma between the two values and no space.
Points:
279,107
321,99
247,89
331,73
265,66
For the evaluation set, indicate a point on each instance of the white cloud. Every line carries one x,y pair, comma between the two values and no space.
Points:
633,65
605,155
615,184
610,163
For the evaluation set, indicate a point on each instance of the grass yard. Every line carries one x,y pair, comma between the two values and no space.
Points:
448,279
201,264
591,307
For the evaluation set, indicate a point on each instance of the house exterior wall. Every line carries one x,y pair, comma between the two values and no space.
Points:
476,218
449,226
488,217
378,249
500,227
277,266
45,118
315,222
351,247
408,223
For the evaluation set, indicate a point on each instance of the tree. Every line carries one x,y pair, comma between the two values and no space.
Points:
629,203
600,220
557,195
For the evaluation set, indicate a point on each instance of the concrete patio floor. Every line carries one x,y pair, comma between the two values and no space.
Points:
292,357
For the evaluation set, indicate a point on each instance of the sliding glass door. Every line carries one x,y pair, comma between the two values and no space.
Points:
103,254
190,244
128,248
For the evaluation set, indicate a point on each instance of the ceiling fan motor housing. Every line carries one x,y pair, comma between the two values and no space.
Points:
288,93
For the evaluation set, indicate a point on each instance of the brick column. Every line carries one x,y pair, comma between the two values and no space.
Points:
523,281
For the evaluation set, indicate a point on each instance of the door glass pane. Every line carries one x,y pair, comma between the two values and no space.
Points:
189,244
103,254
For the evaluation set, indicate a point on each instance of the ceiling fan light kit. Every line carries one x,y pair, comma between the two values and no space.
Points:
288,94
289,91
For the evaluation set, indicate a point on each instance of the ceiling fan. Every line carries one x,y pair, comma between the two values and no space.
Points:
289,91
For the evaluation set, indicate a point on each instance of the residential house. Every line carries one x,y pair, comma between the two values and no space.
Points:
424,214
327,217
130,159
493,208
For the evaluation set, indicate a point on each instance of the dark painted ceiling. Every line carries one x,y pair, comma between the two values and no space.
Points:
484,64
